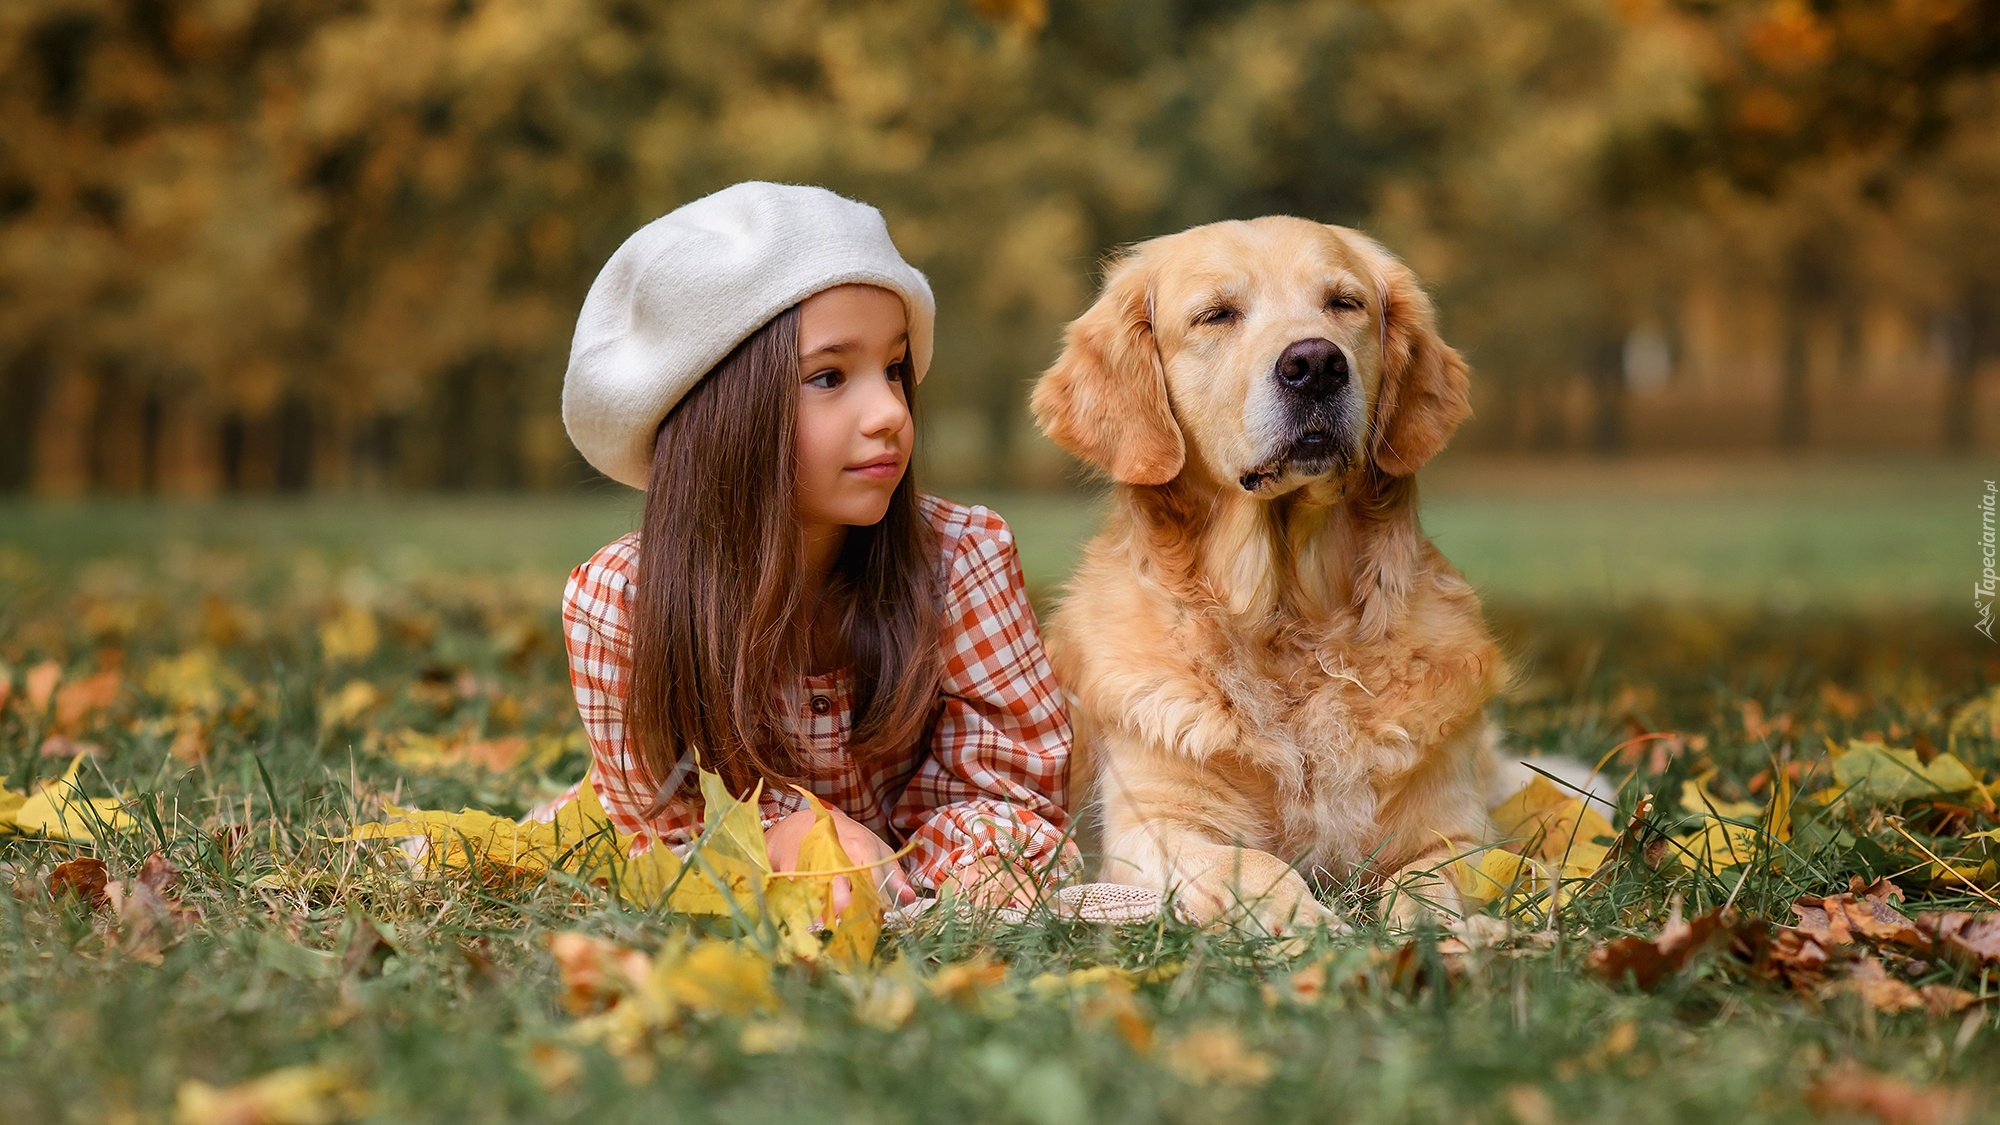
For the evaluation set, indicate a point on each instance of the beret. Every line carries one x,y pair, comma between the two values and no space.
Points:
678,296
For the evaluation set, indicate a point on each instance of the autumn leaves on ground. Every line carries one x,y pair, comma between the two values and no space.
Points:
239,888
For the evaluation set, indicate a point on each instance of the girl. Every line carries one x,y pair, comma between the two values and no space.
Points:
792,610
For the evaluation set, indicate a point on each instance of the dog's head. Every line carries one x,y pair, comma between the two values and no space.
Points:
1266,354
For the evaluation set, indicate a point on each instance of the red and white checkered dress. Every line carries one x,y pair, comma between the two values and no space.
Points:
990,781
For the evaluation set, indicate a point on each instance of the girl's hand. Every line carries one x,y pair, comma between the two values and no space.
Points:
991,881
782,840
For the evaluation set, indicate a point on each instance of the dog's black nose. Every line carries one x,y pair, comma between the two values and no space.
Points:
1315,368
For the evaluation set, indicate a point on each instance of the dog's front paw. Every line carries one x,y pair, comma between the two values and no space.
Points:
1420,893
1289,908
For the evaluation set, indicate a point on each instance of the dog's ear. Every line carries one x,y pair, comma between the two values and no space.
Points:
1105,399
1424,393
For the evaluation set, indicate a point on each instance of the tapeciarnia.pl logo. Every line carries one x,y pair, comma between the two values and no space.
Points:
1989,583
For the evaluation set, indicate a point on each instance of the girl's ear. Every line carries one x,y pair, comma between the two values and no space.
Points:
1105,399
1424,393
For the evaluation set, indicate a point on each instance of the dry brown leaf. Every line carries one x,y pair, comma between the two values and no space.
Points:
80,700
1970,939
1885,993
41,687
1853,1092
62,749
596,972
965,981
1648,962
1863,912
82,877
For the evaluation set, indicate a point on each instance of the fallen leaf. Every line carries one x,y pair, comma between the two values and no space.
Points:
1970,939
1648,962
78,701
84,878
190,745
41,686
296,1095
1542,821
351,634
596,973
966,981
1978,719
1885,993
195,681
1729,834
718,977
60,812
60,747
885,999
1872,773
351,704
804,895
417,750
1216,1054
1863,911
771,1036
1853,1092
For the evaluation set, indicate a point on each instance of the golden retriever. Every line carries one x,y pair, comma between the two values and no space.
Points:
1272,670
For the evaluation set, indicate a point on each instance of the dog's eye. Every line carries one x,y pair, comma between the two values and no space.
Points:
1218,314
1343,302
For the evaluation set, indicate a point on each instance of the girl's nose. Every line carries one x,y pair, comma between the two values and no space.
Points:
885,411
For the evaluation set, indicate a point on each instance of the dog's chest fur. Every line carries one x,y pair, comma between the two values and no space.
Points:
1342,737
1334,731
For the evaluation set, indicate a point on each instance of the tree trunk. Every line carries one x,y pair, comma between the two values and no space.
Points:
1795,387
1972,340
63,433
1607,383
190,461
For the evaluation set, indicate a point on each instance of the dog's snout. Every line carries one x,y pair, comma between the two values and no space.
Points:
1315,368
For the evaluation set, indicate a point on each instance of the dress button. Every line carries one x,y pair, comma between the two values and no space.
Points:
821,705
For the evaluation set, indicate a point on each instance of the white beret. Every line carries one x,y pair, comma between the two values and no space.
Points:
688,287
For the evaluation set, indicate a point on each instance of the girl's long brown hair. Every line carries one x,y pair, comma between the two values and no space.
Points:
719,620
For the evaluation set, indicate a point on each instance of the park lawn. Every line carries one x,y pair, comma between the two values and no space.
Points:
212,654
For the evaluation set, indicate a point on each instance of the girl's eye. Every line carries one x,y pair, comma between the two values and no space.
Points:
899,370
827,380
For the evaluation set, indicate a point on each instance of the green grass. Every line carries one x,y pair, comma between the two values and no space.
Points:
1784,535
448,1022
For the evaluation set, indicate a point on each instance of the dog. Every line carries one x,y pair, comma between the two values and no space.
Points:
1273,674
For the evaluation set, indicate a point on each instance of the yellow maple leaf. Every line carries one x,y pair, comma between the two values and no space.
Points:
294,1095
1543,822
349,635
716,977
61,812
804,895
195,681
1729,834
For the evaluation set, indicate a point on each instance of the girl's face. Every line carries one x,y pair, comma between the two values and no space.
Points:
855,431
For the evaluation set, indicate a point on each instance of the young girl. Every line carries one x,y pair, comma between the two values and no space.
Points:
792,610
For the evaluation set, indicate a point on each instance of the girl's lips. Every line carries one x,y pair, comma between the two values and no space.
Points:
886,467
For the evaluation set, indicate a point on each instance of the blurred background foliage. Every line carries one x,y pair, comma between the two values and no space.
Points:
255,245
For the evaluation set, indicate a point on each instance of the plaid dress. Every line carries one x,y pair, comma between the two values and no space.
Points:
991,778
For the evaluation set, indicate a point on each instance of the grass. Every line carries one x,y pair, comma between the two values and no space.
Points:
459,1017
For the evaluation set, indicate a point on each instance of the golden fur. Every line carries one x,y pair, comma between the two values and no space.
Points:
1271,670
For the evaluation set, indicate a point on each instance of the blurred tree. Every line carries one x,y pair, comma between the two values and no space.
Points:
256,244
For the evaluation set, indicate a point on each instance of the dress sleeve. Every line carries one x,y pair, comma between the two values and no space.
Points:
995,780
597,632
